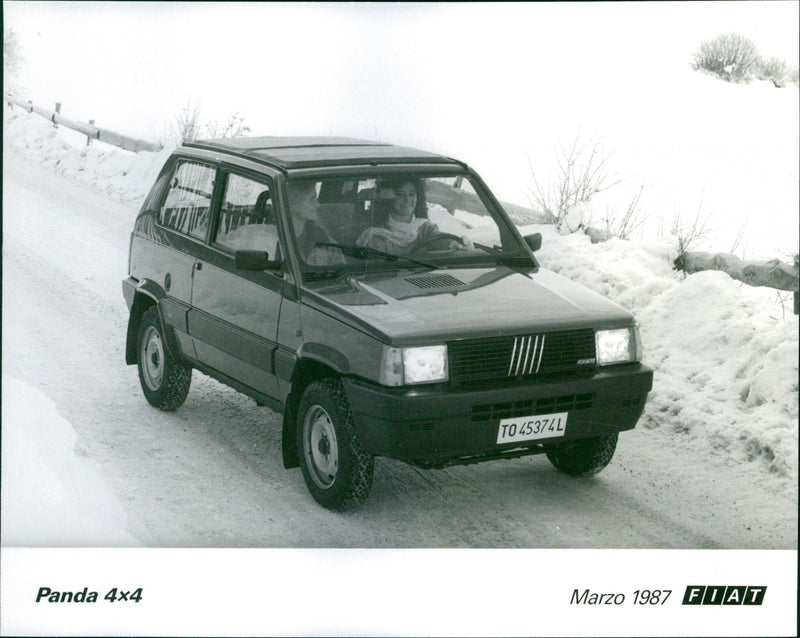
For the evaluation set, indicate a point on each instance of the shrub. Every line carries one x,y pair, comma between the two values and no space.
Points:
234,126
730,56
773,69
793,75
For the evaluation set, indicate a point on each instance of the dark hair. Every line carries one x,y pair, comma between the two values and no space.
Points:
382,207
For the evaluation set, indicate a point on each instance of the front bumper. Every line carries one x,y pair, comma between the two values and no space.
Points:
436,424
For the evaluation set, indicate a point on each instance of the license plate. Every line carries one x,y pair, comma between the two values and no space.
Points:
530,428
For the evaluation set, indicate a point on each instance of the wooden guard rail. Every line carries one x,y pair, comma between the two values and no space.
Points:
91,131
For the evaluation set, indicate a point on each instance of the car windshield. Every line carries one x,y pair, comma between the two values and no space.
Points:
430,221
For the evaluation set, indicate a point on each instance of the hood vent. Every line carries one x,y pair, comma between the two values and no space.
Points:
434,281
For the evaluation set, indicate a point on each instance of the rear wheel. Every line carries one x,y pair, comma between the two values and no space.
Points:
337,472
582,457
165,382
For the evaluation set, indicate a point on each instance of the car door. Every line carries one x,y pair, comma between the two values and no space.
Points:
169,234
234,313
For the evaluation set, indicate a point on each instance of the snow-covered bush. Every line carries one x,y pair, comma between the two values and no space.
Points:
773,69
730,56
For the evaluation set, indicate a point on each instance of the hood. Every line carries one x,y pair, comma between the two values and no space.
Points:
408,307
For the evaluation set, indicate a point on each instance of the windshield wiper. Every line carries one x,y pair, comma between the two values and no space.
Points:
365,252
318,274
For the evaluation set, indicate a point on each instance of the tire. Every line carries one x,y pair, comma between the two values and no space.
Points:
337,471
583,457
165,382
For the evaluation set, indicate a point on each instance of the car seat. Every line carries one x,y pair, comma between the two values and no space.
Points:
262,211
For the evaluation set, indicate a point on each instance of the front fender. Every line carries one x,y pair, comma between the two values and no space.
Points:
326,355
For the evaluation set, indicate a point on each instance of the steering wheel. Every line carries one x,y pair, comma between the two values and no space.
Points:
438,237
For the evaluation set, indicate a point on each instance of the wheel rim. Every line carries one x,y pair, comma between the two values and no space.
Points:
320,447
152,358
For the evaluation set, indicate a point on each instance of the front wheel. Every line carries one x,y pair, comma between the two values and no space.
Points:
165,382
337,472
582,457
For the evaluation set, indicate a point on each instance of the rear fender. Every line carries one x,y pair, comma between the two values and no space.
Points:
147,294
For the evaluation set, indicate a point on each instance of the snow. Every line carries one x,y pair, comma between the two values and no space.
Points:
725,355
65,502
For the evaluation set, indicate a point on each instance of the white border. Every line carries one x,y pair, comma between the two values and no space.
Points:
237,592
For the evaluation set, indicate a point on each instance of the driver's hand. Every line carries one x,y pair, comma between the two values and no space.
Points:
466,243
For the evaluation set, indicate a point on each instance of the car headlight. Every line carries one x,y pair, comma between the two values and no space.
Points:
617,346
409,366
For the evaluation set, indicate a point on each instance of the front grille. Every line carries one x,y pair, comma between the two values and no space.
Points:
521,356
532,407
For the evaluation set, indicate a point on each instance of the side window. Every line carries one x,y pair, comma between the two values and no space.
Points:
188,201
246,217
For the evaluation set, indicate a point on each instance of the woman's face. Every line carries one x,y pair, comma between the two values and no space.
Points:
304,205
405,202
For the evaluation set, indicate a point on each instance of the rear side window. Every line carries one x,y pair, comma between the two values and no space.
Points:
246,217
188,202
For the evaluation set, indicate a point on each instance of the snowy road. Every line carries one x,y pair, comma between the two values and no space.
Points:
210,474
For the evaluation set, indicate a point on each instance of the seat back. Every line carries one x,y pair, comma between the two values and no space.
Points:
337,219
262,211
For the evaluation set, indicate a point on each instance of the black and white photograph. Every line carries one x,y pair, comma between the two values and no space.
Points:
400,318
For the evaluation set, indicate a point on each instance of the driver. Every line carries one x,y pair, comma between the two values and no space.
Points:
400,218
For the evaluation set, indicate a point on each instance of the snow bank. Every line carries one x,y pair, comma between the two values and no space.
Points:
727,370
66,503
725,355
125,176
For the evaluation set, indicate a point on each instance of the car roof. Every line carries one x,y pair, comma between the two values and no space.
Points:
309,152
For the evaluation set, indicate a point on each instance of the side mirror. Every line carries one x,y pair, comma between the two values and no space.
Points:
256,260
534,241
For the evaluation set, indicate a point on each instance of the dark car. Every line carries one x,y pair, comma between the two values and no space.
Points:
380,298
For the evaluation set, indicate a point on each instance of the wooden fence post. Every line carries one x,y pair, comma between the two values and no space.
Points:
57,112
88,138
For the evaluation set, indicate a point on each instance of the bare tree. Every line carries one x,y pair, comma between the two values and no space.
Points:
631,219
580,174
687,234
12,61
187,123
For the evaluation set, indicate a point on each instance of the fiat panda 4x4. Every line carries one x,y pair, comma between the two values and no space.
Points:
382,301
